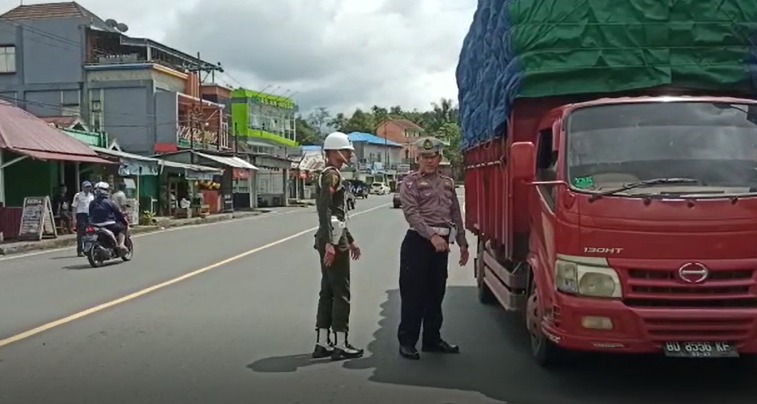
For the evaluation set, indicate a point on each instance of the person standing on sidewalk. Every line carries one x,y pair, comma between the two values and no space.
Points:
429,203
80,205
335,245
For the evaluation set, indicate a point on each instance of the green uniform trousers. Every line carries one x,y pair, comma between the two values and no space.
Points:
334,298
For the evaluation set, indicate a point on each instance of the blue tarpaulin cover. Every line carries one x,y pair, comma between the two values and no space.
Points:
542,48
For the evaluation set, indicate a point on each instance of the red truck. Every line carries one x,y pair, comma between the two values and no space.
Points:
618,222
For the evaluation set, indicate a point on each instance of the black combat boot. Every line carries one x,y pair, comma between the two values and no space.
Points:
343,349
323,345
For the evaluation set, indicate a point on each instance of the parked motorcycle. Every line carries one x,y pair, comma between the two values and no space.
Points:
100,245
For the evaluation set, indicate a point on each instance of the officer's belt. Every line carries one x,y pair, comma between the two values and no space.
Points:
442,231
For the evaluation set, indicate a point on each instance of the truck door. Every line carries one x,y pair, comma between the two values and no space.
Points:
546,170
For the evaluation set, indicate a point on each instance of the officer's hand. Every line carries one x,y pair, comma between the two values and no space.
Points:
355,251
464,255
328,257
440,244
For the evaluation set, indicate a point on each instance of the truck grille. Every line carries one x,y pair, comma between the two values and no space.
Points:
665,329
662,288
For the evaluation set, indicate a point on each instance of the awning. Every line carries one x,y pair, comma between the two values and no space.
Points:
43,155
124,155
234,162
192,167
24,133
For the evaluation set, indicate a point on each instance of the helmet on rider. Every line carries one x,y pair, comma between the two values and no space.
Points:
102,189
340,143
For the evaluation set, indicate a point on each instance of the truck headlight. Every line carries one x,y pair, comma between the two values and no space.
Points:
587,280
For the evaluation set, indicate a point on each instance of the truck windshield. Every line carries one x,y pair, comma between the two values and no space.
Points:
715,144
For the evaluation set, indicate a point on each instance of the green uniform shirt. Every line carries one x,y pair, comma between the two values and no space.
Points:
331,202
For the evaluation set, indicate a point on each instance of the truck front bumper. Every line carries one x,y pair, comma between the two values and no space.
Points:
583,324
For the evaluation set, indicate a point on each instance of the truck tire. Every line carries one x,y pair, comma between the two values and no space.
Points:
485,295
546,352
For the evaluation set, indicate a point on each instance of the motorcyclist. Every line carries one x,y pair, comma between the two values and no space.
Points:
106,213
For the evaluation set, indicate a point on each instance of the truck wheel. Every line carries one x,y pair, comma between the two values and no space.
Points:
546,352
485,295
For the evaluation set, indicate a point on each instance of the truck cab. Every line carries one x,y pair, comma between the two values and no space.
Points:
635,229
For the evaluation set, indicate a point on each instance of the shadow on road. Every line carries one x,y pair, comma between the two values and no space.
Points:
285,364
495,361
78,267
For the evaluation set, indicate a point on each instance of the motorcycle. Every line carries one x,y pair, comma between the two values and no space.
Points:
100,245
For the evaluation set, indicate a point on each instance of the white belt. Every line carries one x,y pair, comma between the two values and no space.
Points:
442,231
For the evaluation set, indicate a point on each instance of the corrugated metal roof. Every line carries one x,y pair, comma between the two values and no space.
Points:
311,161
234,162
125,155
404,124
360,137
24,133
191,167
46,11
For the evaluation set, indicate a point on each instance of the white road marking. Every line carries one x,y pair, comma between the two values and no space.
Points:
85,313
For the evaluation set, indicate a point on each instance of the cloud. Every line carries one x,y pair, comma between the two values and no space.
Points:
340,54
337,53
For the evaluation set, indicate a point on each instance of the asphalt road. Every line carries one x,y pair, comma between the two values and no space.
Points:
239,328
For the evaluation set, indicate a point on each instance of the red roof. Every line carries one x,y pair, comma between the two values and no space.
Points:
24,133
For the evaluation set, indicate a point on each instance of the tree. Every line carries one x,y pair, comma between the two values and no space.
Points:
338,122
306,134
319,120
450,132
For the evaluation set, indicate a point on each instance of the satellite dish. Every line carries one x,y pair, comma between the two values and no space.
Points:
111,22
122,27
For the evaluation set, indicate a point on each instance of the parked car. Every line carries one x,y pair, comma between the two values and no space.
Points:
379,188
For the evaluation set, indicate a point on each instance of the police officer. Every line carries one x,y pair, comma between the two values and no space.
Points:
335,245
431,208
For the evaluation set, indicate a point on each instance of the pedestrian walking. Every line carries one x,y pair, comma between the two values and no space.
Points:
429,203
80,205
335,246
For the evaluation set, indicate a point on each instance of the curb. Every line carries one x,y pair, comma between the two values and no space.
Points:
160,225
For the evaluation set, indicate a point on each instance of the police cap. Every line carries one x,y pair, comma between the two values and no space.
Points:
429,146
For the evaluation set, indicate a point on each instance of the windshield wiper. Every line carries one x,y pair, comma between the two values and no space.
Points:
645,183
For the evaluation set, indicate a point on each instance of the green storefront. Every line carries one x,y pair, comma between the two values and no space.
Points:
25,177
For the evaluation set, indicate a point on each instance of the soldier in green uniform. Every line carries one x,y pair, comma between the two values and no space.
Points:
335,246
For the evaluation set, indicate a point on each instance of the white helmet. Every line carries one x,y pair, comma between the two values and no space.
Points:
337,141
102,188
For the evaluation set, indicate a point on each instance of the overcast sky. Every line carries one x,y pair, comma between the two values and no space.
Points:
335,53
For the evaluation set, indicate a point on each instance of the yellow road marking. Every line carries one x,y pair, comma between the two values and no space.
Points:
88,312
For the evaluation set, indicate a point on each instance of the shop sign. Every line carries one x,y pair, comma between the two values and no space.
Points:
198,176
272,100
137,168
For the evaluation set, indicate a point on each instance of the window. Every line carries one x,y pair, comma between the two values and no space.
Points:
8,59
546,166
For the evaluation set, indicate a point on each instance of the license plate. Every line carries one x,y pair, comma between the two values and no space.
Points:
90,238
700,350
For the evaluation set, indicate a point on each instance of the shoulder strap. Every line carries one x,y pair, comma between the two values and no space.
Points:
320,177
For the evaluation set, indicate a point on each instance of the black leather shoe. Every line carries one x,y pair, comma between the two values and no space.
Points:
409,352
441,347
321,351
348,352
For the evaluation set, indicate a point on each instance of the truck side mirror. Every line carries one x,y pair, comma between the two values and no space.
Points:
522,161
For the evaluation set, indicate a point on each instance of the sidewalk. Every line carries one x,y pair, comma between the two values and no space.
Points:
161,223
302,202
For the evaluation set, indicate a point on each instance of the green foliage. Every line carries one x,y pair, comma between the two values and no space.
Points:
440,120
